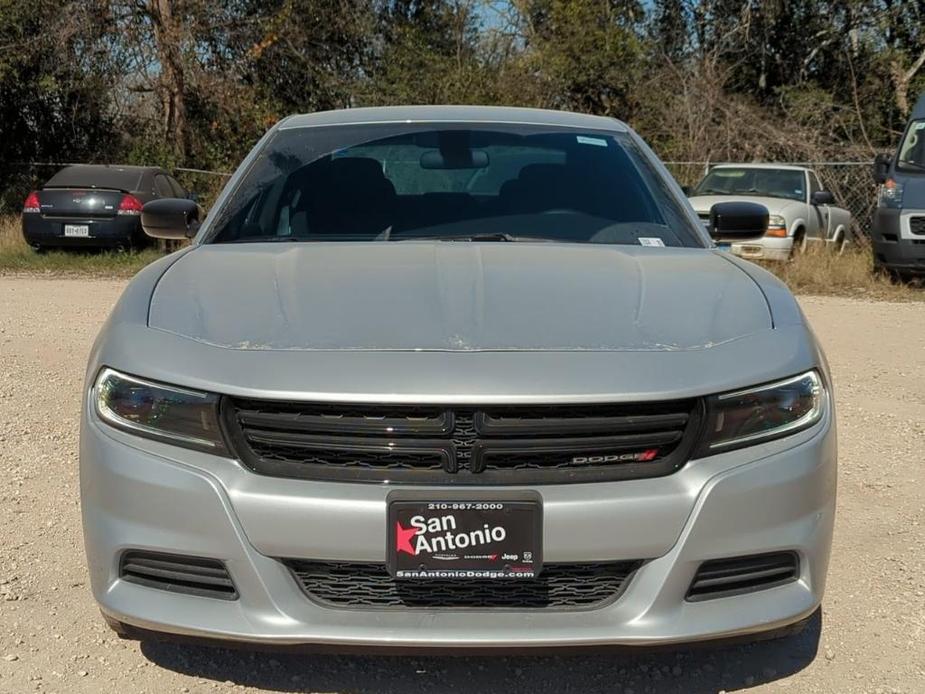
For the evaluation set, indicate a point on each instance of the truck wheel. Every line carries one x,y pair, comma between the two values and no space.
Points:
899,276
839,242
799,243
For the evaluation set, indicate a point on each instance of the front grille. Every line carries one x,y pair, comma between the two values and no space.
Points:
370,586
917,225
721,578
448,445
178,574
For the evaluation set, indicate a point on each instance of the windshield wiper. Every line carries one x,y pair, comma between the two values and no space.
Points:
911,164
269,239
493,236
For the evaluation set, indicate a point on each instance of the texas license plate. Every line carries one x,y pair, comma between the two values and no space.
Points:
462,538
80,230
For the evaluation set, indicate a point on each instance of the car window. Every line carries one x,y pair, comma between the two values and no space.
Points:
814,185
400,182
178,190
162,186
912,149
772,183
114,177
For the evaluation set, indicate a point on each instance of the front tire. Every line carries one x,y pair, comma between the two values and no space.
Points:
799,243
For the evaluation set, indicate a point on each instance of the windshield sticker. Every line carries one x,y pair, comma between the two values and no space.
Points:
651,241
728,173
596,141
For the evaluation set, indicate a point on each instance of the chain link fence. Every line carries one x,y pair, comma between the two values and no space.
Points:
850,181
22,177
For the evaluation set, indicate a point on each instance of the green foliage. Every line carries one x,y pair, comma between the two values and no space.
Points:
54,97
86,80
587,55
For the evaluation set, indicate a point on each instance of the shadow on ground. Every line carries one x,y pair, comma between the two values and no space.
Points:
702,670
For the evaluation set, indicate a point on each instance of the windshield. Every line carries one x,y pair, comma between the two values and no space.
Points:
771,183
912,149
388,182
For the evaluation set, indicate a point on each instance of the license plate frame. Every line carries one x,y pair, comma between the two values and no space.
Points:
518,556
77,231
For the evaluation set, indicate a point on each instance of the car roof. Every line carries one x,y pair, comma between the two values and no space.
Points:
453,114
102,176
766,165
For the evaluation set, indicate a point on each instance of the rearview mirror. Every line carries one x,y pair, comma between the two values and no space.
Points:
882,164
738,220
823,197
170,218
463,159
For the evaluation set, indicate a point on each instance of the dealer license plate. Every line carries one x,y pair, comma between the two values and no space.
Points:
81,230
465,538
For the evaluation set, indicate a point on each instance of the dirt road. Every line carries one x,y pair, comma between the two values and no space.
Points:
872,632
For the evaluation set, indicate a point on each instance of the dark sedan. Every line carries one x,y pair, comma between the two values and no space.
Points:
95,206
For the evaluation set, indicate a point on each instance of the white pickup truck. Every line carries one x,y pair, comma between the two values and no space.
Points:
800,211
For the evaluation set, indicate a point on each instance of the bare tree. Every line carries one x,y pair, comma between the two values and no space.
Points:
172,79
902,79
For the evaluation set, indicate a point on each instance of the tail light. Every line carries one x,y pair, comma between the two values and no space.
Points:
31,205
130,205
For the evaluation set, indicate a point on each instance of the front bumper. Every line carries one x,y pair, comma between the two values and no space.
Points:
894,245
139,494
766,248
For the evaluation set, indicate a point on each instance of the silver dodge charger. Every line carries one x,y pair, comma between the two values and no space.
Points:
457,378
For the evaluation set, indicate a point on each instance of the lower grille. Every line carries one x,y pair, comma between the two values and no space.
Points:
721,578
559,587
917,225
178,574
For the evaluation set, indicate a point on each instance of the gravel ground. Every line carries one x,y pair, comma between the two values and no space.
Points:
870,636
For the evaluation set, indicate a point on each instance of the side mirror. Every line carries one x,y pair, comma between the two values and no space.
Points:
738,220
170,218
687,190
823,197
882,163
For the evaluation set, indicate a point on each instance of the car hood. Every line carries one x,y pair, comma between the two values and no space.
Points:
703,203
456,296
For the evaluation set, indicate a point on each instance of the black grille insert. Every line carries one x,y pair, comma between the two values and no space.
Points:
719,578
917,225
540,444
178,574
369,586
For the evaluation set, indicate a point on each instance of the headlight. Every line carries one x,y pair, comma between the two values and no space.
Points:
890,194
771,411
166,413
777,226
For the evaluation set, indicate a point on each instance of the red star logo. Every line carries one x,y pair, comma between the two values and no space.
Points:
403,539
